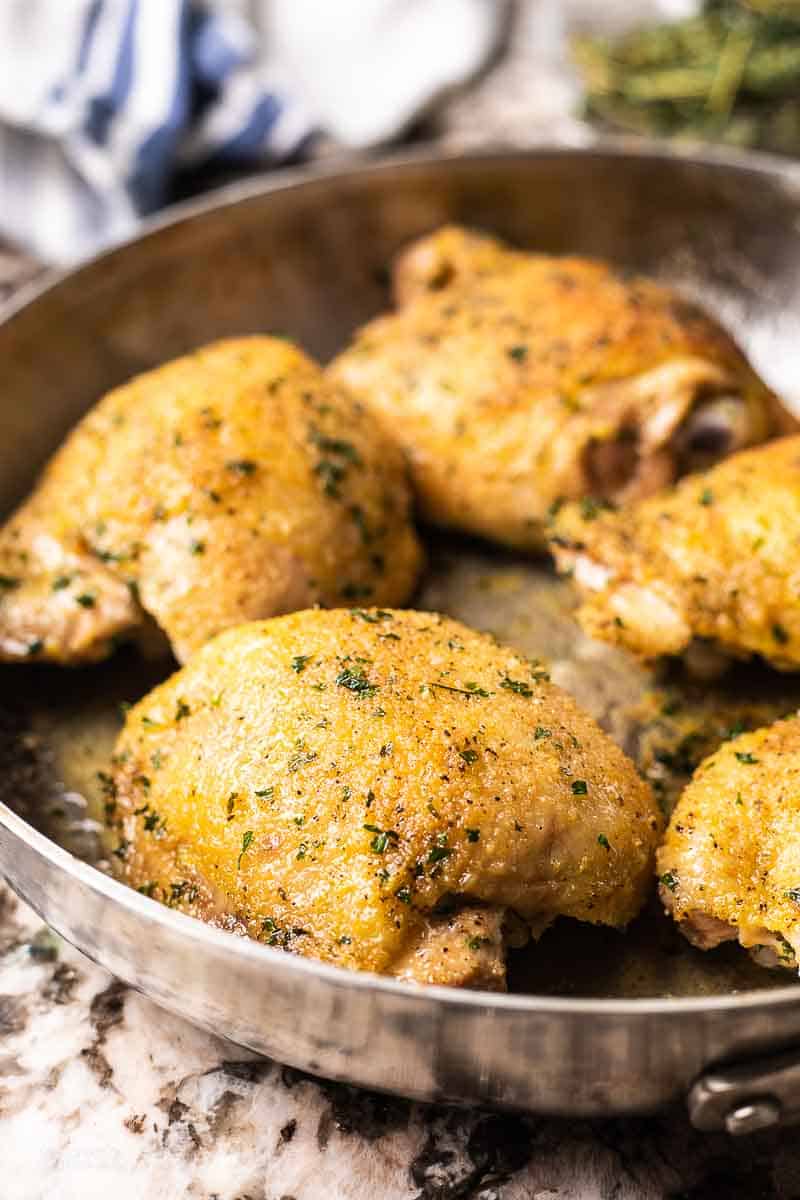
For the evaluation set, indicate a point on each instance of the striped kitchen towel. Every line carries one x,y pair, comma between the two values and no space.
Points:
103,101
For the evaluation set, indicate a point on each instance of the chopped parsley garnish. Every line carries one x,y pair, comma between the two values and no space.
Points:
301,759
182,710
440,851
706,497
8,583
247,838
372,618
469,756
476,690
382,838
270,931
517,686
517,353
473,835
603,841
744,756
86,600
153,822
61,581
668,880
265,792
336,446
469,690
182,891
579,787
241,466
540,733
197,547
331,474
793,894
403,894
355,681
780,634
476,943
302,850
35,647
300,662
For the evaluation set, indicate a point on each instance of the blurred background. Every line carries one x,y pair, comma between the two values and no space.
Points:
111,109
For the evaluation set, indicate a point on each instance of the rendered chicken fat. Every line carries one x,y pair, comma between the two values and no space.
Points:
514,380
714,558
232,484
385,790
729,867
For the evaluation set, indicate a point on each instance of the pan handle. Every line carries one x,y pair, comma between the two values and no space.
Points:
748,1096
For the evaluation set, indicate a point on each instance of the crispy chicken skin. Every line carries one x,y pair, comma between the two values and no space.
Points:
730,864
232,484
716,558
513,380
385,790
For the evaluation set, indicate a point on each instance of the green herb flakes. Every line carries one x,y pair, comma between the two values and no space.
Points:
247,840
517,686
355,681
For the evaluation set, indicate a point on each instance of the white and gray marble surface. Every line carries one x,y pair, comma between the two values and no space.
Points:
103,1095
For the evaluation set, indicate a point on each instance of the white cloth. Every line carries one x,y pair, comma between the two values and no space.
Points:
102,100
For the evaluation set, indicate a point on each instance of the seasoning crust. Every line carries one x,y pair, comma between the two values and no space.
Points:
231,484
385,790
514,380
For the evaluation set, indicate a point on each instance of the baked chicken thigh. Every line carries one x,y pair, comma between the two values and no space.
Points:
232,484
514,380
730,864
385,790
714,558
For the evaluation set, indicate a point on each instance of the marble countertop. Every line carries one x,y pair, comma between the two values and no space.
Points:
102,1094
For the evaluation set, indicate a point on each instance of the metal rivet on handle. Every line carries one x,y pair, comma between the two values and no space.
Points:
747,1118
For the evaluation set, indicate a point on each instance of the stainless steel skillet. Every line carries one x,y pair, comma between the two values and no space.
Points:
597,1023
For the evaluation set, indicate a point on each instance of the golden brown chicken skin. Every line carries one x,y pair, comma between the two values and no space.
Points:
232,484
385,790
513,380
714,558
730,864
